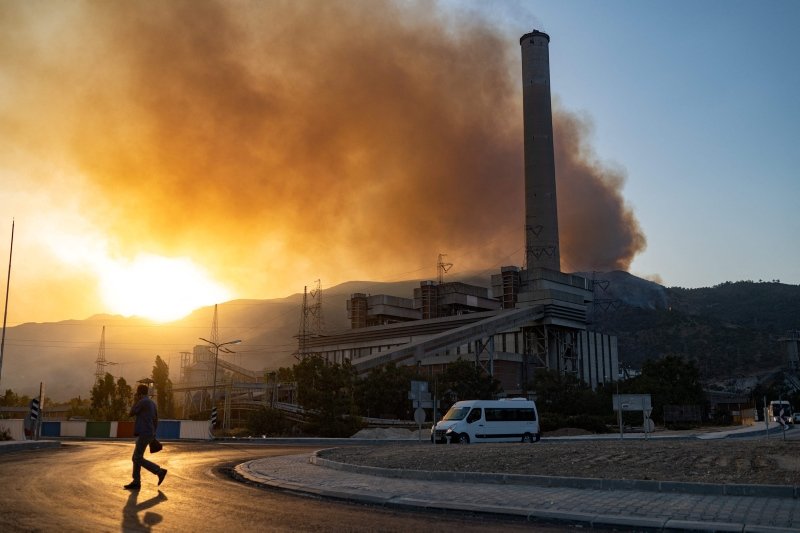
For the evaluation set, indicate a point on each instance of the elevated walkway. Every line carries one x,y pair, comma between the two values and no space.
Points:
450,339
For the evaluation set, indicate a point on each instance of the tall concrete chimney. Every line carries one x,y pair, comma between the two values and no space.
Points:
541,212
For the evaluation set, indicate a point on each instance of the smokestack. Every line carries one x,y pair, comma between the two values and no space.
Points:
541,213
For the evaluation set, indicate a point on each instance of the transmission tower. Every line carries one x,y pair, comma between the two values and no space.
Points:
603,304
442,268
311,322
101,363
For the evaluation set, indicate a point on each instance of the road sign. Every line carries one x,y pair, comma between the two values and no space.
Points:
421,396
213,417
35,409
632,402
419,415
419,386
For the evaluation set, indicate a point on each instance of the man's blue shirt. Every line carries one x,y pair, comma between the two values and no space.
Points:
146,414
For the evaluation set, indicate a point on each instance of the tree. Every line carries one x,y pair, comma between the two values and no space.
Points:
384,392
565,394
671,380
327,391
566,401
12,399
165,400
285,375
464,380
111,400
268,421
79,407
123,398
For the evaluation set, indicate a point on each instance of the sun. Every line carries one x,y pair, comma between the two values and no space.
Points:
158,288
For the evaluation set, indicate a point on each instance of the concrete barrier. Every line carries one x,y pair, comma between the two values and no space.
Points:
50,428
123,429
15,428
98,429
169,429
195,429
73,428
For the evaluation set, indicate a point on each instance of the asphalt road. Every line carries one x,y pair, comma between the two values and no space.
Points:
78,487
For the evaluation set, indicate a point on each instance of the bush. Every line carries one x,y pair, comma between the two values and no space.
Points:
681,426
268,421
595,424
5,435
549,422
337,427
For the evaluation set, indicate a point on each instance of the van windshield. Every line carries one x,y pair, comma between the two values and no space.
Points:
456,413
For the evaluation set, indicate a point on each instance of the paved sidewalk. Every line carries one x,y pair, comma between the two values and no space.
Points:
639,510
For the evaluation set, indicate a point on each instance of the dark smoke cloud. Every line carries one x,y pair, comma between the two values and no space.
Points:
339,138
598,231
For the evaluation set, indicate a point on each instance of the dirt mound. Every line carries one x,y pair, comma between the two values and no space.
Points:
390,434
567,432
763,461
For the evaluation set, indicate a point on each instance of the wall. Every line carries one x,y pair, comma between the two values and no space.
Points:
167,429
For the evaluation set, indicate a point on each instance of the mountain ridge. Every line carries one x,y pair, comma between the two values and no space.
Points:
732,327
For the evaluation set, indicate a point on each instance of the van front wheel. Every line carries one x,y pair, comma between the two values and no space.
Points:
527,437
463,438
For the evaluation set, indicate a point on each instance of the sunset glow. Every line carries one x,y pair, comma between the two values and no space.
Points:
159,288
157,156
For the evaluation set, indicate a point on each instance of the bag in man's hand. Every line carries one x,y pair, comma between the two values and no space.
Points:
155,446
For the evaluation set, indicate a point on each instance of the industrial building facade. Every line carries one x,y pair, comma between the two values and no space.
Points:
509,339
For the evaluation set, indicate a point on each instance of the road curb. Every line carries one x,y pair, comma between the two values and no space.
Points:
9,446
244,473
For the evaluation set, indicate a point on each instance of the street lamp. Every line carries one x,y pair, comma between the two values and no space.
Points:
217,346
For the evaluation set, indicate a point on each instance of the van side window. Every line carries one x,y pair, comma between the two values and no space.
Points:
474,415
513,414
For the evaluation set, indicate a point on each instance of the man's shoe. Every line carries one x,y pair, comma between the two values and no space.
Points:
133,486
162,475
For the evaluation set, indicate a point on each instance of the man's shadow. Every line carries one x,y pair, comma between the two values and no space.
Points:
130,513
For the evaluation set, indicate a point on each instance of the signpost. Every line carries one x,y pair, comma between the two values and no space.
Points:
32,420
634,402
421,399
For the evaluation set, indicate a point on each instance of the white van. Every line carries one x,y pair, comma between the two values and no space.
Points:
507,420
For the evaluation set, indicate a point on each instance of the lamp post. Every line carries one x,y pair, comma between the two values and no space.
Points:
217,346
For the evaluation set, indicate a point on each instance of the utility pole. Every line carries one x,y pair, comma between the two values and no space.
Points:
217,346
5,312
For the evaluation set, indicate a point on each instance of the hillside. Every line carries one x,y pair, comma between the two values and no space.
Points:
63,354
730,330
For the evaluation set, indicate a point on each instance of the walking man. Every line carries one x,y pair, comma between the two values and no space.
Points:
146,413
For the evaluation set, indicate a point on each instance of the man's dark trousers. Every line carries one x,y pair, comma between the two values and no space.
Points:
142,441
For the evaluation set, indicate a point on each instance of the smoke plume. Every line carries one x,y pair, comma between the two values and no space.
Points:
280,142
598,231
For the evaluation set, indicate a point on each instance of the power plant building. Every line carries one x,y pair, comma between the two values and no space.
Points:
534,317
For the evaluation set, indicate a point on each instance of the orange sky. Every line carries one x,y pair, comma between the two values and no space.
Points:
270,144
